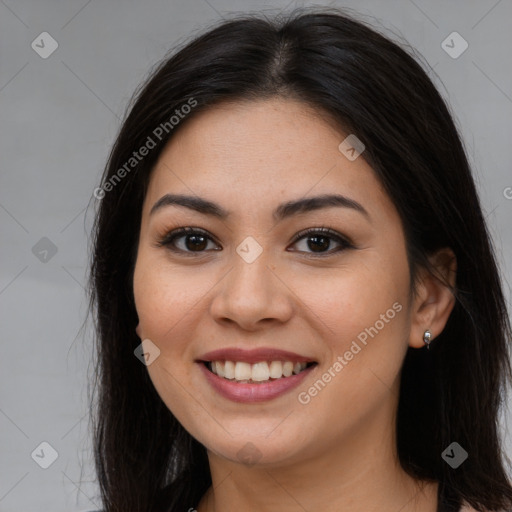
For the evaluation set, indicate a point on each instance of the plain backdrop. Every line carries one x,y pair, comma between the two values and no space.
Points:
59,117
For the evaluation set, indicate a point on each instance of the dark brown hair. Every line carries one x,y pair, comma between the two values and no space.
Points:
372,87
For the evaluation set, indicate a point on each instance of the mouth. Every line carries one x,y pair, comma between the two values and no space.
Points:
256,375
242,372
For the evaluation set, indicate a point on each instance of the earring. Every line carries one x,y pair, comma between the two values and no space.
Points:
427,338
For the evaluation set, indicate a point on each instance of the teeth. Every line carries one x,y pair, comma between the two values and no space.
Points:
258,372
219,365
276,369
229,370
242,371
287,368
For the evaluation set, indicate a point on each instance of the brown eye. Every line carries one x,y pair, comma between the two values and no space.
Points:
320,240
186,240
318,243
195,242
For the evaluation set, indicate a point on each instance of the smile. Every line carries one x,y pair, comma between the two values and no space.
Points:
263,371
244,390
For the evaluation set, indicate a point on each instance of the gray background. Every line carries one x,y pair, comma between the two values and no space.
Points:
59,118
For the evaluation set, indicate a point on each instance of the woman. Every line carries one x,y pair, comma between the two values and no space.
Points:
298,306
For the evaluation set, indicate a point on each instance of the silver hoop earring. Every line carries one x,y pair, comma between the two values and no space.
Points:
427,338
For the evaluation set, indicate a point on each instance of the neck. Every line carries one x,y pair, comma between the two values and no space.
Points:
360,474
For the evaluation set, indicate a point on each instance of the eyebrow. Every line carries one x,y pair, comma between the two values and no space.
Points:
283,211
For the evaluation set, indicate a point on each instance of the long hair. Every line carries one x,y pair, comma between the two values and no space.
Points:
370,86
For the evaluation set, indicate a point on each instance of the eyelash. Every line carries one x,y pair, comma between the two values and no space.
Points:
169,238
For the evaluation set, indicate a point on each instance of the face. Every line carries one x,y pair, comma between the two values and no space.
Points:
255,278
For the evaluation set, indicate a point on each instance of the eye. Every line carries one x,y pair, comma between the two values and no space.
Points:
195,240
318,239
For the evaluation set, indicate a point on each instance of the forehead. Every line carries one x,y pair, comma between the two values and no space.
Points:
253,154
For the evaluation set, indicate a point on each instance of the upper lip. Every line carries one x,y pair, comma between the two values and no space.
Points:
254,356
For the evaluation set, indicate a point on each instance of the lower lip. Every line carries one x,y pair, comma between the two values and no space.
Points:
254,392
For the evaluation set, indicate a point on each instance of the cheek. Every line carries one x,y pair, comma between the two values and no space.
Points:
369,320
346,301
363,336
170,301
361,313
163,298
164,295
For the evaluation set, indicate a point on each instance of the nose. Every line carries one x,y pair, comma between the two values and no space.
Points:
252,295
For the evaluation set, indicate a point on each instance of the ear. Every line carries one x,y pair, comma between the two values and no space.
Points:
137,330
434,300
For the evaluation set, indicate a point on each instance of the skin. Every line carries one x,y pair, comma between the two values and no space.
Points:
338,451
